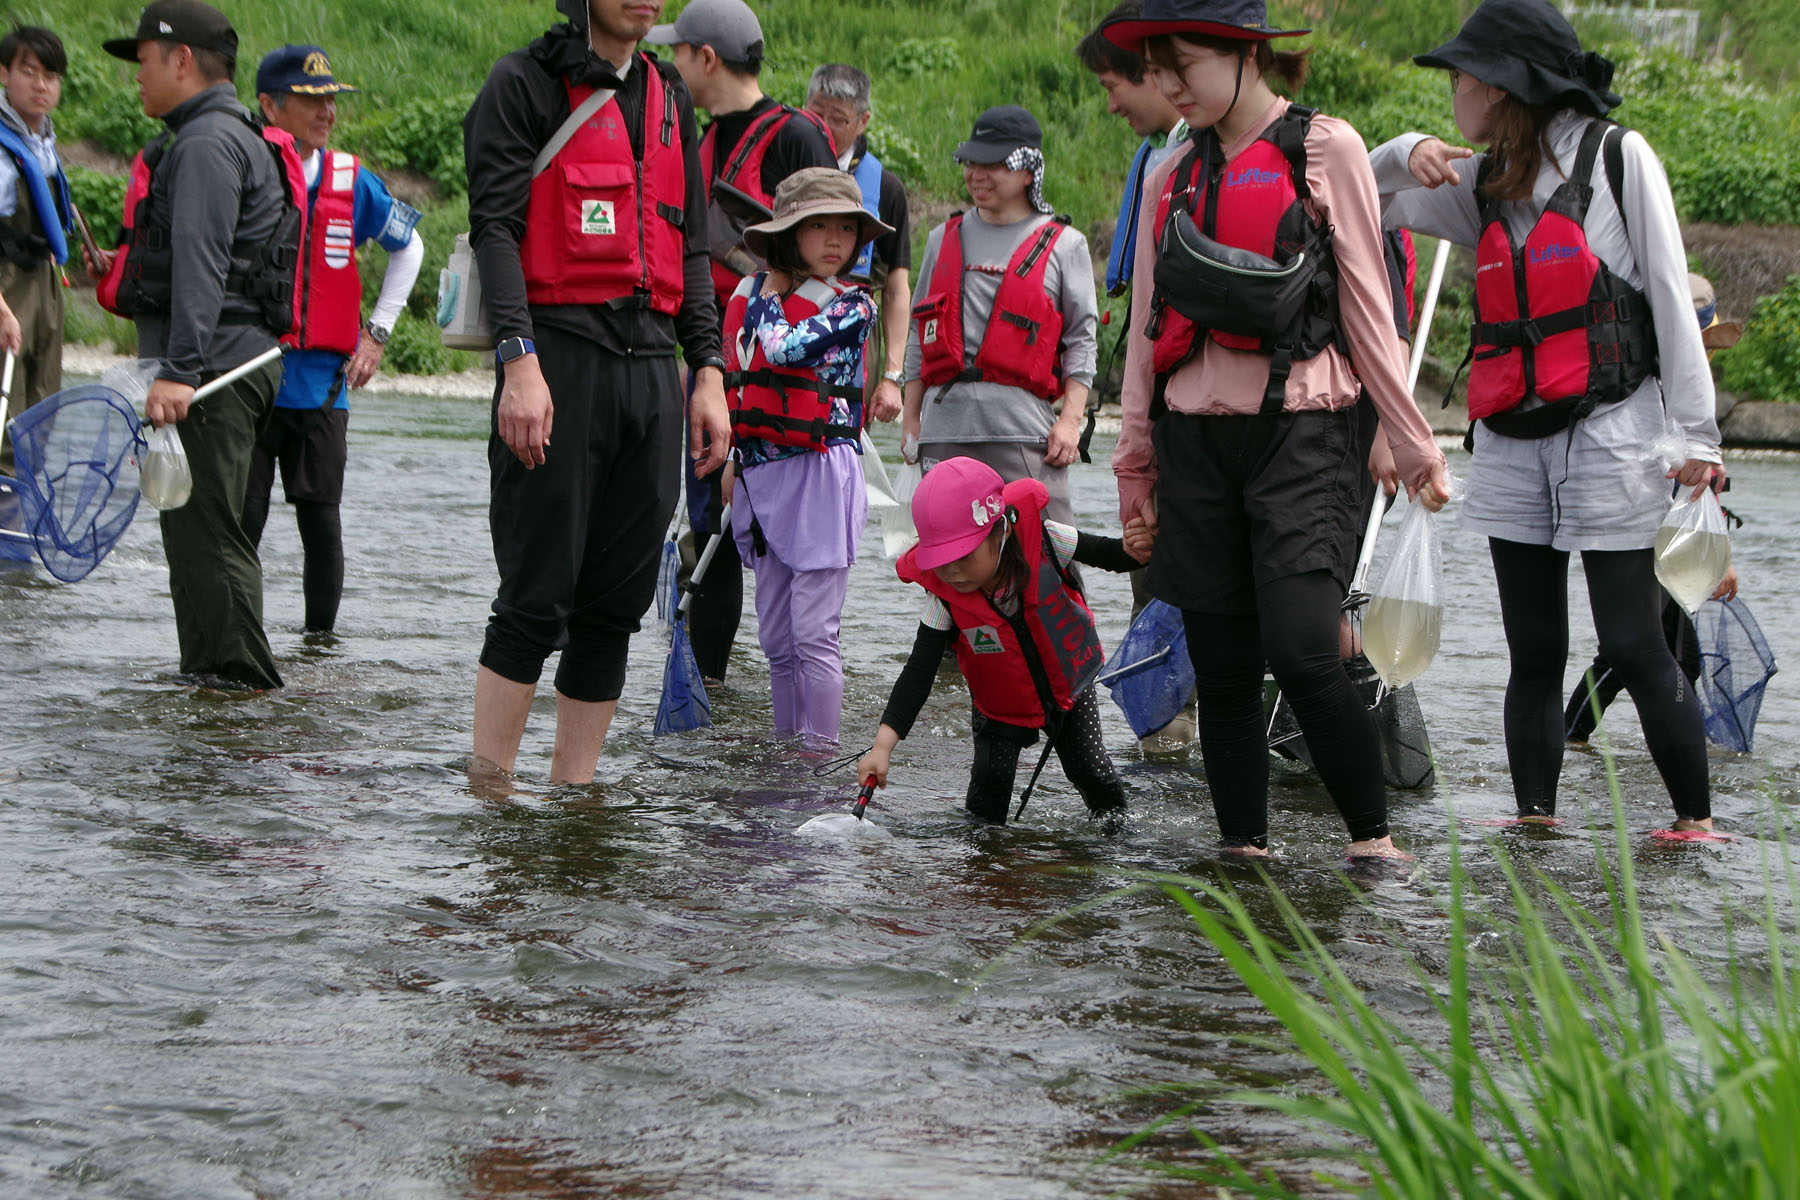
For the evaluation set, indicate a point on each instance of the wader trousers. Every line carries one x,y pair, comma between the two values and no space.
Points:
35,296
215,577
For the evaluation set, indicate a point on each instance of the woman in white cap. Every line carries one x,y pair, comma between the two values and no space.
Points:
795,335
1584,345
1003,327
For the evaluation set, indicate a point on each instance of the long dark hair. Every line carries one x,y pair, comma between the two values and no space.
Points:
1517,147
1287,67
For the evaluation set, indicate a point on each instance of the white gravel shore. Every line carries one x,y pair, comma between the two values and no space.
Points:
472,385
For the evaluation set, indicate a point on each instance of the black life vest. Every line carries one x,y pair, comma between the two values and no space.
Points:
261,275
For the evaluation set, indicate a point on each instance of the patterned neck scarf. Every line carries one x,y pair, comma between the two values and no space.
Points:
1029,158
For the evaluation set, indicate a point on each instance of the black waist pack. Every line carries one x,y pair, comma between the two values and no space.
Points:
1228,288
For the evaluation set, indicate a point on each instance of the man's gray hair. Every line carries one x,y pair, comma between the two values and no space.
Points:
840,81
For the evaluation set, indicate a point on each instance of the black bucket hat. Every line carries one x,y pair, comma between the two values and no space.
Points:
1244,19
1529,50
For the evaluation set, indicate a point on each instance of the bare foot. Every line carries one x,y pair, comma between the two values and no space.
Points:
1690,825
1381,847
1244,850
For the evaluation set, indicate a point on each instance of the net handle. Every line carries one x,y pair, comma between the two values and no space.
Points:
6,374
272,354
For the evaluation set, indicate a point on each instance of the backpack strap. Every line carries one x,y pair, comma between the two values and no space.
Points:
1612,155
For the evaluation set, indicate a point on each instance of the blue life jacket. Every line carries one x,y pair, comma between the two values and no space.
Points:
1124,242
56,227
868,180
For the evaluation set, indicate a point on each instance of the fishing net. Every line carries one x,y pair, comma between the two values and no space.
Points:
1399,725
1150,675
77,454
1735,666
684,705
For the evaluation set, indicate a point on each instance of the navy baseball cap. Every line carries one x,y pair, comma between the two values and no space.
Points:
302,69
997,133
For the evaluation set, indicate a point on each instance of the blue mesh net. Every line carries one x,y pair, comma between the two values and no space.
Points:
684,704
1735,666
1150,675
77,455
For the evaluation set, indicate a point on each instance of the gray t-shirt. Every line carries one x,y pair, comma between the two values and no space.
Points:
992,412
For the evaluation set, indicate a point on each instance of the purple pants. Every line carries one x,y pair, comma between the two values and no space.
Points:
811,510
797,622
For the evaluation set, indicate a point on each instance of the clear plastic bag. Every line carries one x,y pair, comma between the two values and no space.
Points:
1406,610
897,532
1693,549
165,478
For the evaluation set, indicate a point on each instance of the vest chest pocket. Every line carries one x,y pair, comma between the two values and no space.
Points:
598,211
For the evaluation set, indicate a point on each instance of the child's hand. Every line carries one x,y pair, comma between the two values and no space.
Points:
875,763
1139,539
776,283
1728,586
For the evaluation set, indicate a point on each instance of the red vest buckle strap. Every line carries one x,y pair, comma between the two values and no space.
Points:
786,406
1023,342
604,225
1551,319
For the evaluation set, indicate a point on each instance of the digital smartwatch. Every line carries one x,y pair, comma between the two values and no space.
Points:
514,347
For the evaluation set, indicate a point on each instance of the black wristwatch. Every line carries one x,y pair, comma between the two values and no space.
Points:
711,360
514,347
379,334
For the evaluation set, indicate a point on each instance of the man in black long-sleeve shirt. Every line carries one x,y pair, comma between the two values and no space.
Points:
216,201
593,270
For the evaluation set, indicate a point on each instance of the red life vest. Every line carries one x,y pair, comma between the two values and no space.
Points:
1026,668
1551,319
1255,202
1022,345
602,226
330,286
261,275
743,170
788,406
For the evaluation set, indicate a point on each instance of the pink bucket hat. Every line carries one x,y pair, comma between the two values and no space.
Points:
954,510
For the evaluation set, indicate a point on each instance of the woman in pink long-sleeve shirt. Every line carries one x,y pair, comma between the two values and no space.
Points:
1246,439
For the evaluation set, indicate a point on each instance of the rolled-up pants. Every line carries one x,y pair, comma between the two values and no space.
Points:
577,539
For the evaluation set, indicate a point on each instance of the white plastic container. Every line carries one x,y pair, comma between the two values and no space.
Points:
461,317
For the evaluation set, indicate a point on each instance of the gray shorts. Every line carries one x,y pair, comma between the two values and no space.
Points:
1590,487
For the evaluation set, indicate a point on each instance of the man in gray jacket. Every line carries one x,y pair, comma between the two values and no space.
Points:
204,280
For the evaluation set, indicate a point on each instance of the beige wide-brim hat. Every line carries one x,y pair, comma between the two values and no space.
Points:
815,192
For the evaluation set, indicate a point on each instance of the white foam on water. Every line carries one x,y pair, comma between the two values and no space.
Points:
842,825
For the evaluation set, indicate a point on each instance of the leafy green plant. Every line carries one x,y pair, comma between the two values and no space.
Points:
1765,364
423,135
100,198
1584,1057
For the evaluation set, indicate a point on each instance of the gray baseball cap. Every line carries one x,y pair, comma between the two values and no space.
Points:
728,26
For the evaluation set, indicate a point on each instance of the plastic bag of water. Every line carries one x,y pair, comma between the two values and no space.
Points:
1693,549
1406,609
165,478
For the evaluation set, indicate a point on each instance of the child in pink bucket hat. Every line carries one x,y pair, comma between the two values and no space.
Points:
1000,591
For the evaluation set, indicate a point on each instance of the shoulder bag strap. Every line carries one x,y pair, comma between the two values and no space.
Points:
566,130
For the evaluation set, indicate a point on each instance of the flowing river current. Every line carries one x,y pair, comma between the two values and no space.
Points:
277,945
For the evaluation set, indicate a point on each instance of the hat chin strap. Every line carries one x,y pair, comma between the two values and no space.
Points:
1236,87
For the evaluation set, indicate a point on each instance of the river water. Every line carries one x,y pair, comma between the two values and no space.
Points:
277,946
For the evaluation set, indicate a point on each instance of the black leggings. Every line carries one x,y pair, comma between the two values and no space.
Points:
1294,631
1626,602
1079,748
322,541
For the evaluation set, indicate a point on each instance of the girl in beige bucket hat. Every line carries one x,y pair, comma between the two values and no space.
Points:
794,340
